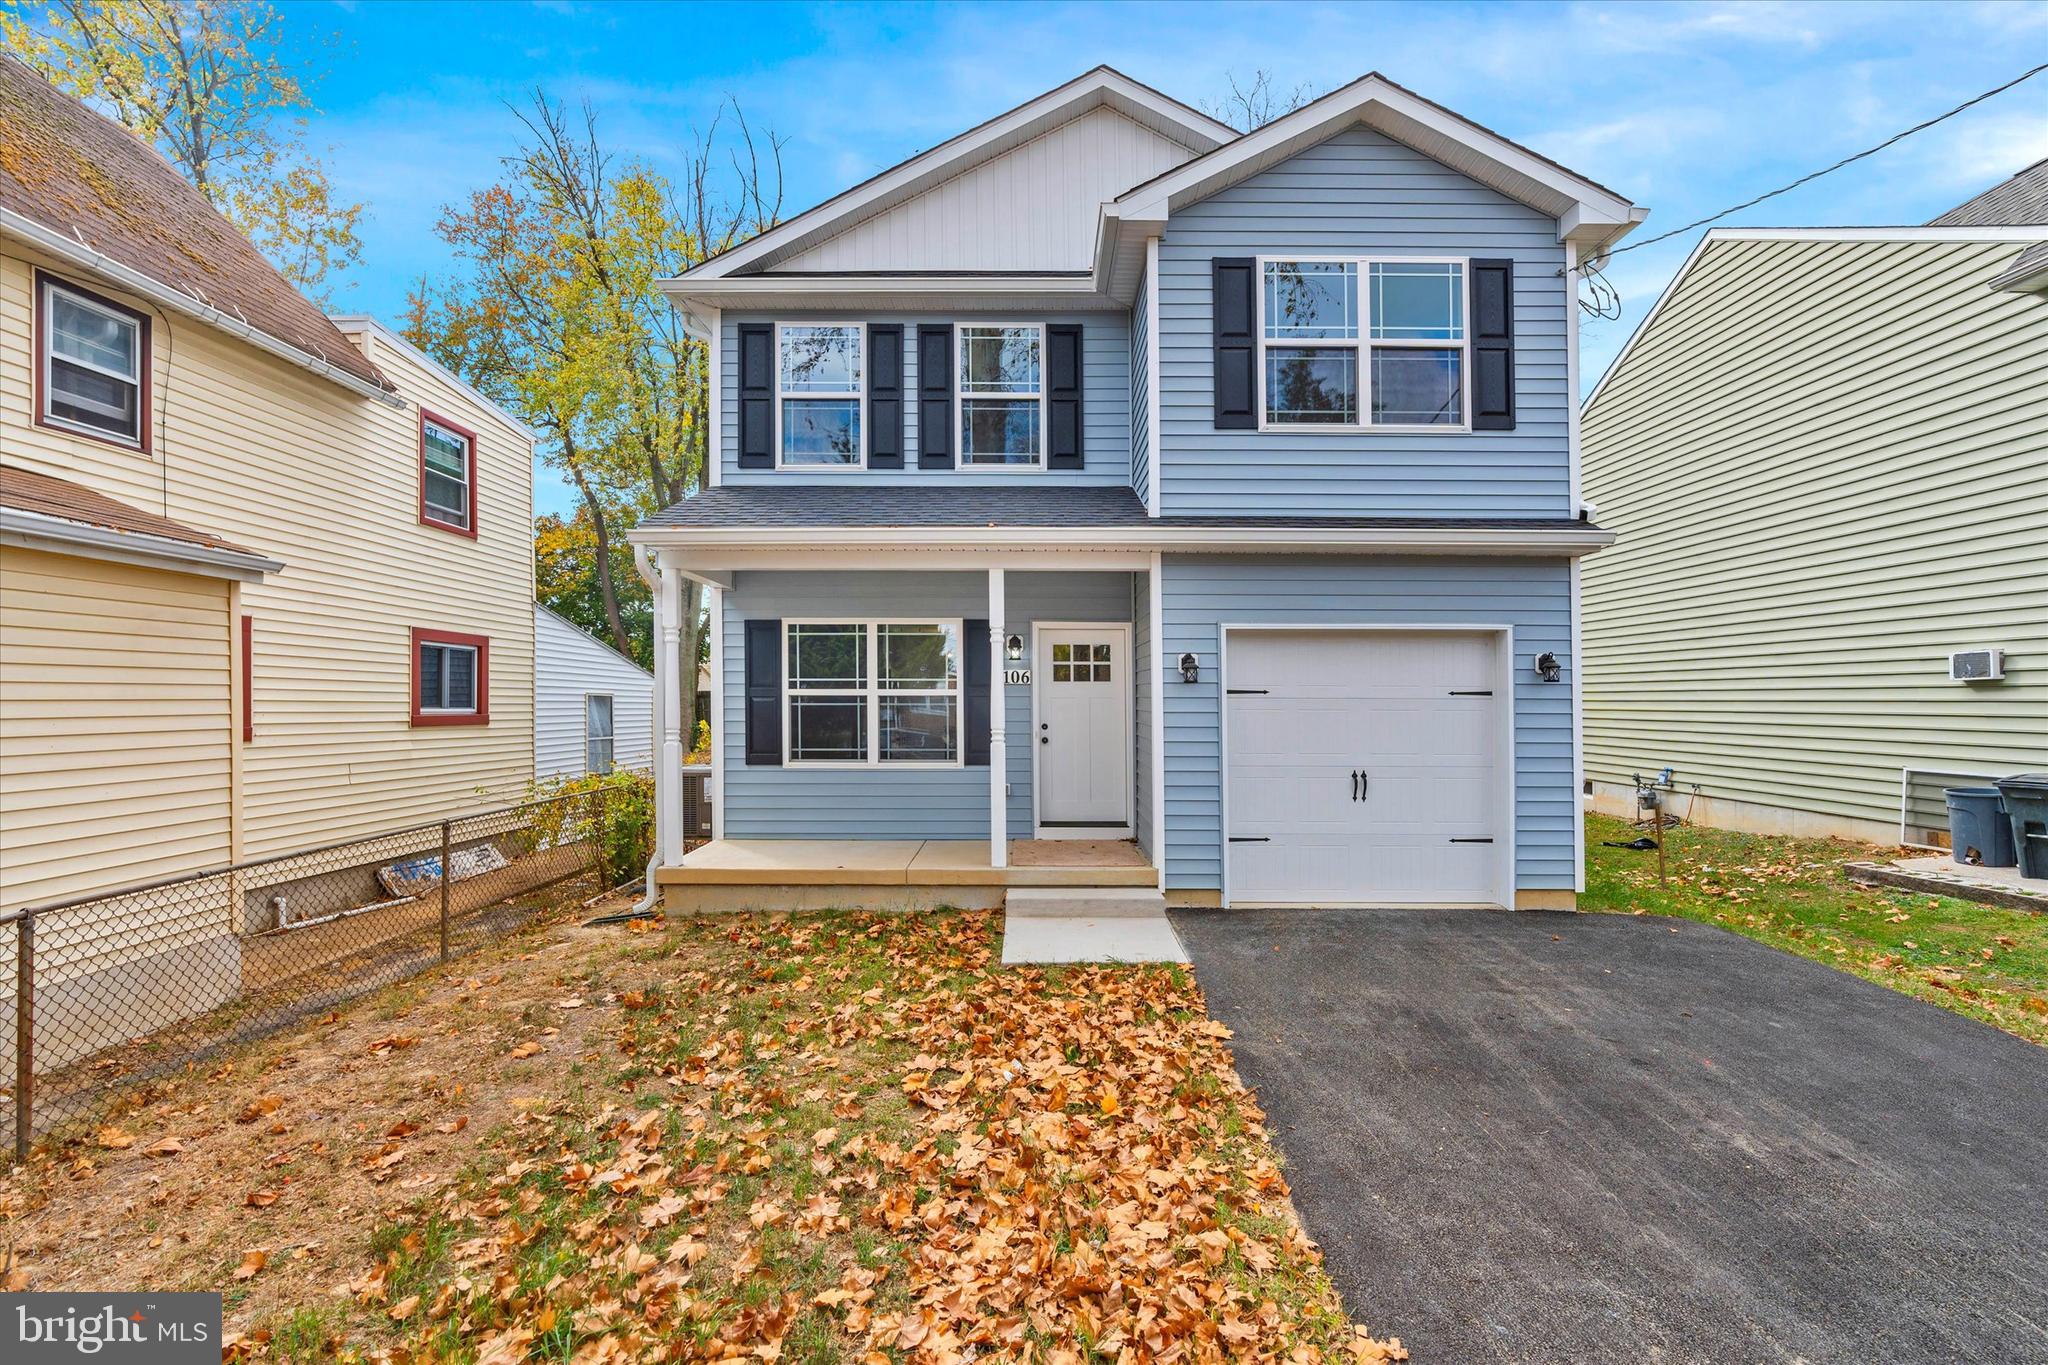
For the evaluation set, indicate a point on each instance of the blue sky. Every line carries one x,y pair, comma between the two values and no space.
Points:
1684,107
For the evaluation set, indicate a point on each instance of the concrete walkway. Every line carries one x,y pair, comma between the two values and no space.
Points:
1549,1137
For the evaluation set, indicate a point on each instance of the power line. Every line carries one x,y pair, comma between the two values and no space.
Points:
1804,179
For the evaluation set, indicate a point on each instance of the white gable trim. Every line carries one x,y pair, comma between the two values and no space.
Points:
1028,120
1590,215
351,324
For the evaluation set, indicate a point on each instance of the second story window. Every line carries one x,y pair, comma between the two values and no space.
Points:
447,475
819,398
1349,343
94,361
1002,396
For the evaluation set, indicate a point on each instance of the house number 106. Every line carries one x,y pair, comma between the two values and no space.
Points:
1017,677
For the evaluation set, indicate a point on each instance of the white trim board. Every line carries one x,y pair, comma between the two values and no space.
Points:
27,530
1504,700
741,547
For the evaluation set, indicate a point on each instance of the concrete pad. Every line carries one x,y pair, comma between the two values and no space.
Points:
1083,902
1116,938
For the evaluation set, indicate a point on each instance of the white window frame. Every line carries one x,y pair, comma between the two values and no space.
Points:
961,393
47,334
427,710
872,692
434,515
860,330
611,700
1364,344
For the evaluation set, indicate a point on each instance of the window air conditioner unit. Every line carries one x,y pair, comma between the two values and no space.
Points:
1976,665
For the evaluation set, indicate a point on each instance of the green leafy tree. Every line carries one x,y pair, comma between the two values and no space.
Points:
210,85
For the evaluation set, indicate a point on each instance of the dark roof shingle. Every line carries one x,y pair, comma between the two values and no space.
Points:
25,491
88,178
2021,201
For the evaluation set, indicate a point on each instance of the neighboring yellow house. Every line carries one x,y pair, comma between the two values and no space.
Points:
266,578
1825,452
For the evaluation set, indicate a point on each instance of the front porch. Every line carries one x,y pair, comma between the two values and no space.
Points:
889,874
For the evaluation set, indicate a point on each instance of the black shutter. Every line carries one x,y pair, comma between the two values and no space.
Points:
935,397
1063,396
1233,315
764,694
757,395
1493,345
885,396
974,717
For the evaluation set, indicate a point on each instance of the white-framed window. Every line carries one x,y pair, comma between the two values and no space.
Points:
820,395
871,693
94,363
598,740
1001,394
1363,343
447,474
448,676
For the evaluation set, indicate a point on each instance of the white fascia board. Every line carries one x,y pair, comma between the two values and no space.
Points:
351,323
828,291
949,158
165,296
37,531
1298,539
1356,103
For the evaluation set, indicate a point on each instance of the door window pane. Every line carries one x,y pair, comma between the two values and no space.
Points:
1417,387
1420,302
1311,384
1311,300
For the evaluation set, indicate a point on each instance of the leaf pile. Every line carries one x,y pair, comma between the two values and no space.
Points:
857,1138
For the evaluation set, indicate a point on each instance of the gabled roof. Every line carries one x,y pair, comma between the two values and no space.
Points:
2020,200
85,189
1589,213
362,324
1102,86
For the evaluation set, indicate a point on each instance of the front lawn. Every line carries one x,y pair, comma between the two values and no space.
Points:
1979,960
816,1138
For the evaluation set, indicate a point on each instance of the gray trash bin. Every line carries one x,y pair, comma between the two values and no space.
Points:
1977,828
2026,808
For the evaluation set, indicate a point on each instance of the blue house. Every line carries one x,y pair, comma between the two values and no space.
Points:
1106,498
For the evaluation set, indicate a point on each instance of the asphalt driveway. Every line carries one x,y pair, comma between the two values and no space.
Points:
1548,1137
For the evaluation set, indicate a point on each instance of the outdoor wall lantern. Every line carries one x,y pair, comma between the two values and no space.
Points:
1547,667
1190,668
1013,649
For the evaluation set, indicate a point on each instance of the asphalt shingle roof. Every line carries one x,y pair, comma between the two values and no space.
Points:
26,491
2019,202
797,506
70,170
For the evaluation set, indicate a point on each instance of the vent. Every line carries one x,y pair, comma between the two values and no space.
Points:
1976,665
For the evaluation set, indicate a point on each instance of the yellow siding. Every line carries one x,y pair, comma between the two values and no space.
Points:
114,725
1828,465
288,464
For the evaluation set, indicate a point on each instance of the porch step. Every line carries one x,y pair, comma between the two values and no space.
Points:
1083,902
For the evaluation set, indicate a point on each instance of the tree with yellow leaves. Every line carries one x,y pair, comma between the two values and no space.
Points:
207,83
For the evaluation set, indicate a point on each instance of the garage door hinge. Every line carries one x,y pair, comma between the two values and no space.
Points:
1487,693
1471,841
1250,839
1248,692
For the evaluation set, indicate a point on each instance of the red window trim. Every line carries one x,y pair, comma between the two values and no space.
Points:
248,679
482,645
145,410
427,518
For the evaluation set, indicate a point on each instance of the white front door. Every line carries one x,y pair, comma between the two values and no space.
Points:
1083,722
1366,767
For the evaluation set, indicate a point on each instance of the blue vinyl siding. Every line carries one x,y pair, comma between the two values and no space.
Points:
889,802
1533,596
1105,405
1361,192
1141,434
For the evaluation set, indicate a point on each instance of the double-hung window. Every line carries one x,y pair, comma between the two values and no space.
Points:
447,475
1363,343
872,693
1002,395
95,358
450,678
598,741
819,399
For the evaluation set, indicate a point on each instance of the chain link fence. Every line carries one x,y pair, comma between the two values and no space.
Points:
105,993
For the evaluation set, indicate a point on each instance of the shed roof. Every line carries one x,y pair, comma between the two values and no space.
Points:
26,491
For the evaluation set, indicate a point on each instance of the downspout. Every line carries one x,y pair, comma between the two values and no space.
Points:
643,562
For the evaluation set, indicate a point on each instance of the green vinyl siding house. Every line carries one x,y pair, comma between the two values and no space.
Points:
1825,453
1106,498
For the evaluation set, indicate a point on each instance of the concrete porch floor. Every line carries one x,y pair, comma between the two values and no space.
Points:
909,862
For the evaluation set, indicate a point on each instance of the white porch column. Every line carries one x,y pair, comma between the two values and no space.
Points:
714,606
668,668
998,751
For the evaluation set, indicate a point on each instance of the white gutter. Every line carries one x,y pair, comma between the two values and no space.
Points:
157,292
1160,536
39,531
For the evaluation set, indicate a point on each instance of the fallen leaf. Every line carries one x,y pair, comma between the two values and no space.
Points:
260,1199
252,1261
114,1139
168,1146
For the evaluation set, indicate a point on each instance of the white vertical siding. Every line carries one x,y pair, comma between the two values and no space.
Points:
568,666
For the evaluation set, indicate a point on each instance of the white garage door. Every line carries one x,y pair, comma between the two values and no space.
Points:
1365,767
